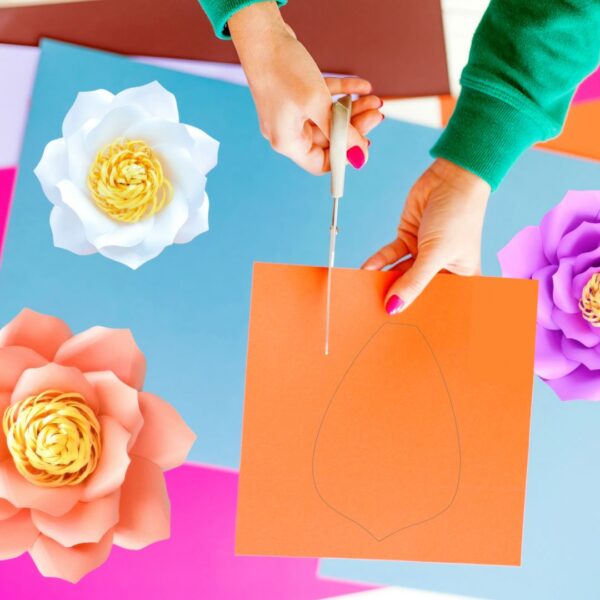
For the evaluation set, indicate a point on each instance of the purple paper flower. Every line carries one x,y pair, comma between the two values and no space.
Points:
563,254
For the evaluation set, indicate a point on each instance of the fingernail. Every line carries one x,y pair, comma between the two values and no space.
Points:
368,142
380,102
394,304
356,157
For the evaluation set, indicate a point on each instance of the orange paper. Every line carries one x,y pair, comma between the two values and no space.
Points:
408,441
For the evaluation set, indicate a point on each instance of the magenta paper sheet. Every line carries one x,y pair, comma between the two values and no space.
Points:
197,562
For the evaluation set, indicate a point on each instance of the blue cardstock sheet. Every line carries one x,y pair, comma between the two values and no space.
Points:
188,309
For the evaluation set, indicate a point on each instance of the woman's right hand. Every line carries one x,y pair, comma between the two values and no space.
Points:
293,99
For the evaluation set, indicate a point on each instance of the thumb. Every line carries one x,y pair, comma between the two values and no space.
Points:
357,153
408,287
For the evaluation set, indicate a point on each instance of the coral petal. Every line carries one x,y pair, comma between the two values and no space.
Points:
17,534
19,492
54,560
42,333
104,349
7,510
165,439
145,508
87,523
13,361
54,377
113,463
118,400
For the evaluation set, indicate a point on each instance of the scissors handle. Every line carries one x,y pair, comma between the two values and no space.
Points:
340,121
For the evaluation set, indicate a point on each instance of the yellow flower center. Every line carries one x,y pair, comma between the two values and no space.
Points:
590,300
127,181
54,438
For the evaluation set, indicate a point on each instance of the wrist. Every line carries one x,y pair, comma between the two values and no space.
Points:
459,177
253,25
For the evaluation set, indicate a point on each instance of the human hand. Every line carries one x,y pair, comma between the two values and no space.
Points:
440,229
293,99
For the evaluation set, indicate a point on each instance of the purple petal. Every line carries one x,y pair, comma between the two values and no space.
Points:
589,357
581,281
523,255
550,361
585,237
581,384
574,208
587,260
562,288
545,301
577,328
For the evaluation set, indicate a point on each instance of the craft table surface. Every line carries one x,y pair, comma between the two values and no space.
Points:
188,309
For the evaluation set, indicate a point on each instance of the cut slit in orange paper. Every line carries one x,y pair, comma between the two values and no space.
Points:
409,441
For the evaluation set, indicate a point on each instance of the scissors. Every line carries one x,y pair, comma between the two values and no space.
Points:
340,121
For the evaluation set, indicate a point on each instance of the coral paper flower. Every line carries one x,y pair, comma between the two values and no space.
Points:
563,254
82,448
126,178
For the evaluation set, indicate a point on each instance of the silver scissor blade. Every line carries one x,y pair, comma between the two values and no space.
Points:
332,238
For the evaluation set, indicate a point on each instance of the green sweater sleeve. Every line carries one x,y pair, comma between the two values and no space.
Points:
526,60
220,11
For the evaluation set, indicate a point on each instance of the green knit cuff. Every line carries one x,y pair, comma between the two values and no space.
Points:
486,135
220,11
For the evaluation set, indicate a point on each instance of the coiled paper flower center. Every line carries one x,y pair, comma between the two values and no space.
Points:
127,181
54,438
590,301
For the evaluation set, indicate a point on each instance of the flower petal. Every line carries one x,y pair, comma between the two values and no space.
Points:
54,377
105,349
562,281
7,510
545,300
577,328
523,255
205,151
581,280
153,98
119,401
22,494
196,224
550,361
165,439
86,523
585,237
156,131
17,535
87,105
581,384
42,333
113,463
13,361
112,126
145,508
52,168
4,452
99,229
180,169
68,232
54,560
587,260
589,357
575,208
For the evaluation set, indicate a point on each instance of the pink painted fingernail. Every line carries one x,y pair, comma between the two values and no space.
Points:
394,304
356,157
368,142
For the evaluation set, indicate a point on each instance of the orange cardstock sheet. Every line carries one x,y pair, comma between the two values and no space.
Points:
409,441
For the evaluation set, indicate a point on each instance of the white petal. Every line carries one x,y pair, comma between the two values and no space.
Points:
154,99
182,171
52,168
68,232
101,230
111,127
87,105
196,224
80,159
205,150
160,131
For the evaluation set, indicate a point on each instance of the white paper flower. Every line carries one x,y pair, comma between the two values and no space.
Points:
127,179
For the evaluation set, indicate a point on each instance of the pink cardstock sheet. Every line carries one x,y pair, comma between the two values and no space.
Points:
198,561
7,185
